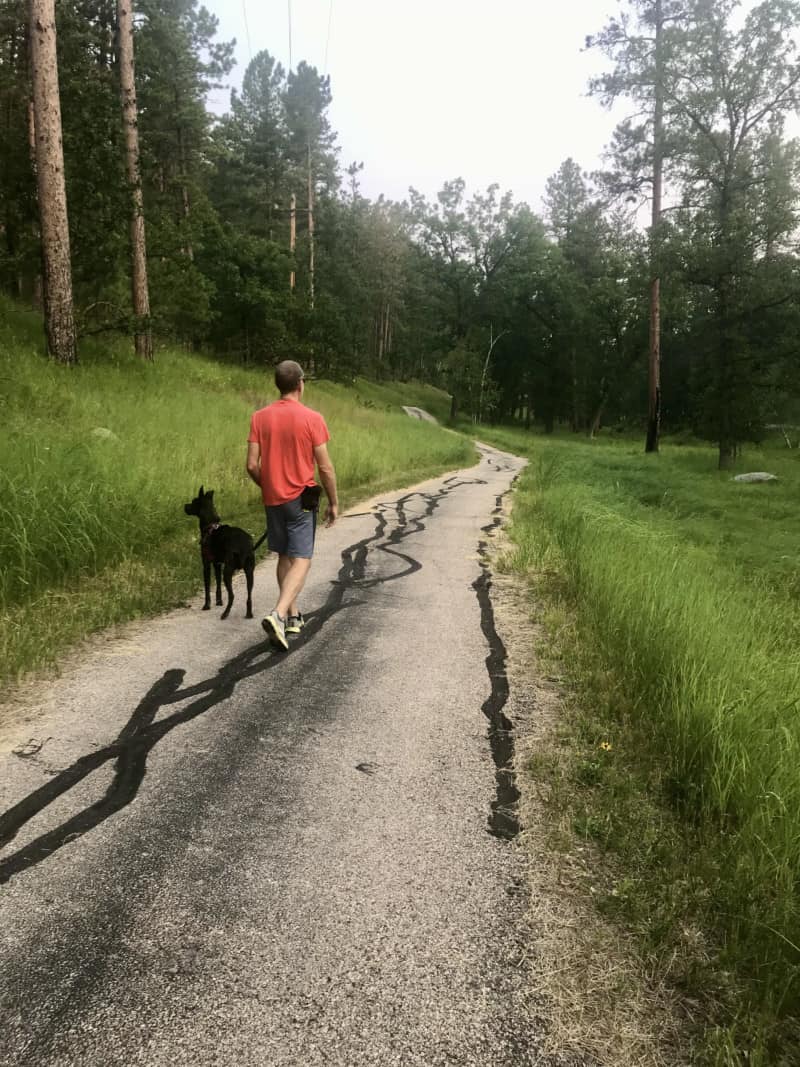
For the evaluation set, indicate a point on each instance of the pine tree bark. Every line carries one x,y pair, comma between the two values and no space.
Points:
59,314
143,335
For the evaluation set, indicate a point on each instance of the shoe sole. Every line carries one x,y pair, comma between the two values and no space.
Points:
294,629
276,638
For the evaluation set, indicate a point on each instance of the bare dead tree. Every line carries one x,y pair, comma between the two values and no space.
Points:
492,342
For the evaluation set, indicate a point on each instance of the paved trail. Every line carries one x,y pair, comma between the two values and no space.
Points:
226,855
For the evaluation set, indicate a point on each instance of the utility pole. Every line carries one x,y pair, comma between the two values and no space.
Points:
292,235
654,361
310,230
142,335
38,295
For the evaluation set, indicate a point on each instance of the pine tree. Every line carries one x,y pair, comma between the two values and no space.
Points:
58,306
143,337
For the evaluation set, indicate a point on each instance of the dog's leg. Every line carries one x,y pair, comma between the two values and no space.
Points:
249,567
227,575
217,572
207,583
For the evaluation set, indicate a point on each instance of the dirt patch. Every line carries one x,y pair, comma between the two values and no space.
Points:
606,1009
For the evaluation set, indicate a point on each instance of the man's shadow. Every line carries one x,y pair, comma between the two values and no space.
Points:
141,733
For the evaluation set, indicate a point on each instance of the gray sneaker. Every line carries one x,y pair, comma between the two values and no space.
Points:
275,629
295,623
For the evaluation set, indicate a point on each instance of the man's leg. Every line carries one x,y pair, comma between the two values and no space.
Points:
284,563
293,539
292,574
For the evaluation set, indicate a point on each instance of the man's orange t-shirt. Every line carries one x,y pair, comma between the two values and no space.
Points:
287,432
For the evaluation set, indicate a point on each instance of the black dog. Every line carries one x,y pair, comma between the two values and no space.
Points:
227,547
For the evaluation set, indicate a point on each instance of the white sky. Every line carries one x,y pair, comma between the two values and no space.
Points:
427,90
488,90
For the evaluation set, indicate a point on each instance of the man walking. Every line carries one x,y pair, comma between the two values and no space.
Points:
286,440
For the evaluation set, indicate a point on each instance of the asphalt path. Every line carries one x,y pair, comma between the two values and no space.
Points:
215,853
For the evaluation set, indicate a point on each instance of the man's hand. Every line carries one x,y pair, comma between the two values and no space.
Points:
327,476
254,461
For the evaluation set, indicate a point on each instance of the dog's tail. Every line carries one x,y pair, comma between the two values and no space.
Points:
260,541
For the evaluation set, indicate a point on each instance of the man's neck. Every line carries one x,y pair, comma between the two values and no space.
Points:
292,396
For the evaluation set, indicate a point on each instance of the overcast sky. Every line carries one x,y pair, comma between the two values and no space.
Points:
426,90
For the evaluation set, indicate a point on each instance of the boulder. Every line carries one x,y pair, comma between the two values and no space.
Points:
418,413
104,434
756,476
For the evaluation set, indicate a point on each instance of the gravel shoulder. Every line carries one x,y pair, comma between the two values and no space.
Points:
605,1006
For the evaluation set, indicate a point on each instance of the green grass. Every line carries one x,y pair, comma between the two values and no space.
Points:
97,461
682,586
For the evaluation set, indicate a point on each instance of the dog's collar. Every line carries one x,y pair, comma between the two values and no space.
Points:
205,536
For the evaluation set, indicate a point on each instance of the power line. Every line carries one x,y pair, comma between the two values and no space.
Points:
328,38
290,34
247,29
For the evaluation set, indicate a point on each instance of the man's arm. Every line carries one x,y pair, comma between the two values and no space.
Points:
254,461
327,475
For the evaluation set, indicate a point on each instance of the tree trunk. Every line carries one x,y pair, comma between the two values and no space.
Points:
492,342
654,370
379,334
292,236
654,361
598,417
143,336
727,455
727,439
59,315
188,248
576,412
387,330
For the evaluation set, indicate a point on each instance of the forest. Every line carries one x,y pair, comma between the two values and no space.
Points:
660,294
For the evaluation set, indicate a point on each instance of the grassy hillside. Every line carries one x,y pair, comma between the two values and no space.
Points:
673,591
97,461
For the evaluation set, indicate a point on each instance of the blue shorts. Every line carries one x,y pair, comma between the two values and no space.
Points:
291,530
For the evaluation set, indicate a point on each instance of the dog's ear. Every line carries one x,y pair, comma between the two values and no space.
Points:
200,492
210,494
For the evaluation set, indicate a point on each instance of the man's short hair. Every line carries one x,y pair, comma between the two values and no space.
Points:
288,376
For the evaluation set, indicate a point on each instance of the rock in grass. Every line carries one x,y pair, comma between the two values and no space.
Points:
104,434
756,476
418,413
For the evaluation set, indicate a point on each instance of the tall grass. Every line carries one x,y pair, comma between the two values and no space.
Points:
684,583
97,461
